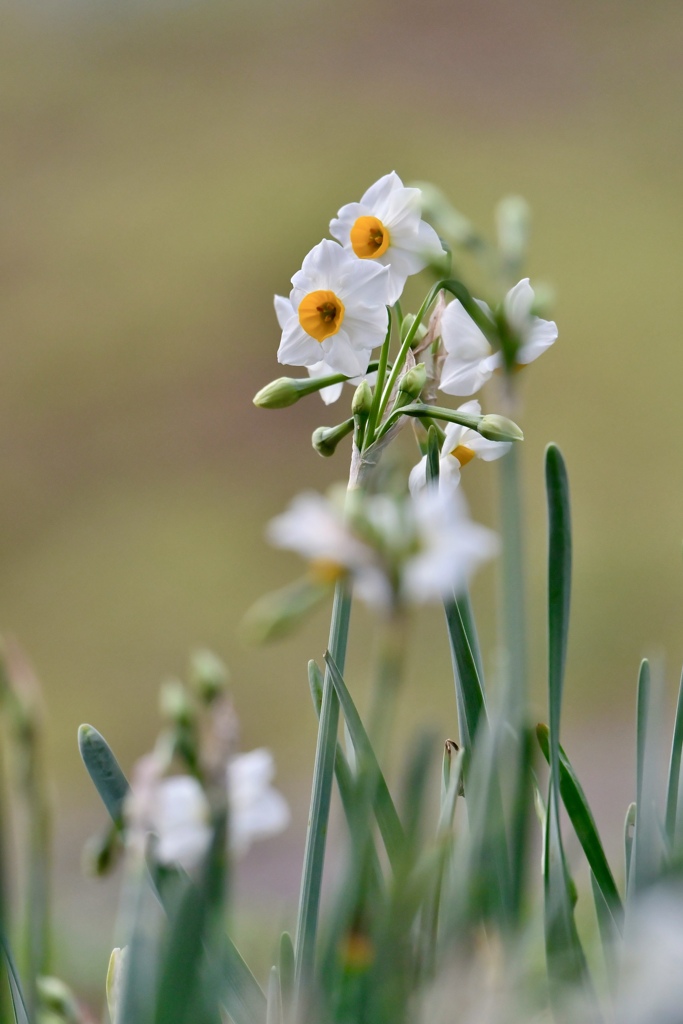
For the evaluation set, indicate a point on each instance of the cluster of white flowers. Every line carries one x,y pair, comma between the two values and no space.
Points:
176,810
336,311
394,550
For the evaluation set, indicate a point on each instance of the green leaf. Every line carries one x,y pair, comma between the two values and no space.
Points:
18,1000
287,965
387,817
629,824
672,793
469,693
433,454
190,933
321,794
647,849
576,804
104,770
566,961
242,995
274,1013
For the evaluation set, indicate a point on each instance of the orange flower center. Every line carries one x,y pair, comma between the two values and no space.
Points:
369,238
463,454
321,314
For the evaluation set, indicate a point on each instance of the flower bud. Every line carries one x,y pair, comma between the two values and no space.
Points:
278,394
208,675
408,321
101,853
57,1002
176,704
362,401
277,614
412,382
499,428
512,220
326,439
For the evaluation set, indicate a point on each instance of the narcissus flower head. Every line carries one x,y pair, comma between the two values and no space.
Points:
386,227
336,312
394,550
470,360
176,809
460,446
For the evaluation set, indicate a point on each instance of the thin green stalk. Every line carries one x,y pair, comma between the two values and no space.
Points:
371,425
512,585
403,352
323,772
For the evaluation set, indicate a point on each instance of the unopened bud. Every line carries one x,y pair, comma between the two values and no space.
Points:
513,222
278,394
362,401
114,985
412,382
57,1002
287,390
326,439
276,615
208,675
407,323
101,852
176,704
499,428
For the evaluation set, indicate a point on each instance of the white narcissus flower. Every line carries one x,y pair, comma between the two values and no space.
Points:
411,549
284,310
338,311
460,446
451,547
386,226
315,527
470,361
257,809
178,812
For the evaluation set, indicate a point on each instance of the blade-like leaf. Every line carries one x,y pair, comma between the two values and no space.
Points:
566,961
242,996
387,816
673,788
629,824
190,931
18,1000
469,693
274,1013
576,804
104,770
286,962
647,847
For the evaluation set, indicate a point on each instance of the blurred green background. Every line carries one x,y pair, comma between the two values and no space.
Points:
163,170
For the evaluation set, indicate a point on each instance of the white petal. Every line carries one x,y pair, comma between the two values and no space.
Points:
485,449
540,336
460,334
296,347
340,226
343,356
323,266
418,476
284,310
464,378
517,306
364,281
378,195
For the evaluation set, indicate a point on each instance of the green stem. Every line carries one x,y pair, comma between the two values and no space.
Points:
323,772
376,398
513,596
403,352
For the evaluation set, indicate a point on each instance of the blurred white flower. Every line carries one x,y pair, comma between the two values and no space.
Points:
178,812
651,975
394,549
284,310
460,446
316,528
450,546
336,313
387,226
470,361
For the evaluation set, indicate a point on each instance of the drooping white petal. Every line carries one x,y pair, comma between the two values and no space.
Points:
331,393
343,356
315,528
298,348
517,306
377,197
284,310
540,336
